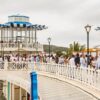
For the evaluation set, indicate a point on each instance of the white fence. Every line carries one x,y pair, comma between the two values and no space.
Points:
87,76
11,46
83,75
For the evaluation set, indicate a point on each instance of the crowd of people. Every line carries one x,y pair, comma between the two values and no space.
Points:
78,60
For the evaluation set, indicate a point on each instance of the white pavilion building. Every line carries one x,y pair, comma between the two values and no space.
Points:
18,34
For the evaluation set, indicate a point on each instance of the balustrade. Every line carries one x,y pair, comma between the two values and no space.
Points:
87,76
22,45
83,75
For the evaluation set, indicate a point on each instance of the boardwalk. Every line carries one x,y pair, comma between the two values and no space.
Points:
53,89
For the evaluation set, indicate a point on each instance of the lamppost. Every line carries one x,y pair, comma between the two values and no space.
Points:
88,28
49,40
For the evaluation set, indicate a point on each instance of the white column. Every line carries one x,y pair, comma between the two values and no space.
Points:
5,88
26,95
7,35
13,92
12,33
32,35
4,35
26,34
35,34
29,34
20,94
21,30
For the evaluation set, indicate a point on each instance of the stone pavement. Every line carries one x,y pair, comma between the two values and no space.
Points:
53,89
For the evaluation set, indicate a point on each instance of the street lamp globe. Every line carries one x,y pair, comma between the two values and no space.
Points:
88,28
49,39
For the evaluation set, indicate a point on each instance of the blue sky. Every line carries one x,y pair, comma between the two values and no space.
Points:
65,18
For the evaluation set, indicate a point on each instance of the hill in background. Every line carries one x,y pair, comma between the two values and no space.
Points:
54,48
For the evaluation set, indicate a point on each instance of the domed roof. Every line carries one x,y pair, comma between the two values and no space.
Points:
18,18
21,21
18,15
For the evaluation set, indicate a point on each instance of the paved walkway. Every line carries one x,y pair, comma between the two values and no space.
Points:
53,89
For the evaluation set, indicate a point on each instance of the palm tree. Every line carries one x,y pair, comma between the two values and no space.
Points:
75,47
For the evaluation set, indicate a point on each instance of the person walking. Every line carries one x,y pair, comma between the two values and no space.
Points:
77,60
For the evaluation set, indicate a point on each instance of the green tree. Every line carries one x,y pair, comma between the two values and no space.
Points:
75,47
59,53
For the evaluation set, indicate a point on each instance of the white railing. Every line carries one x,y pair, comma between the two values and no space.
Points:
21,45
87,76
